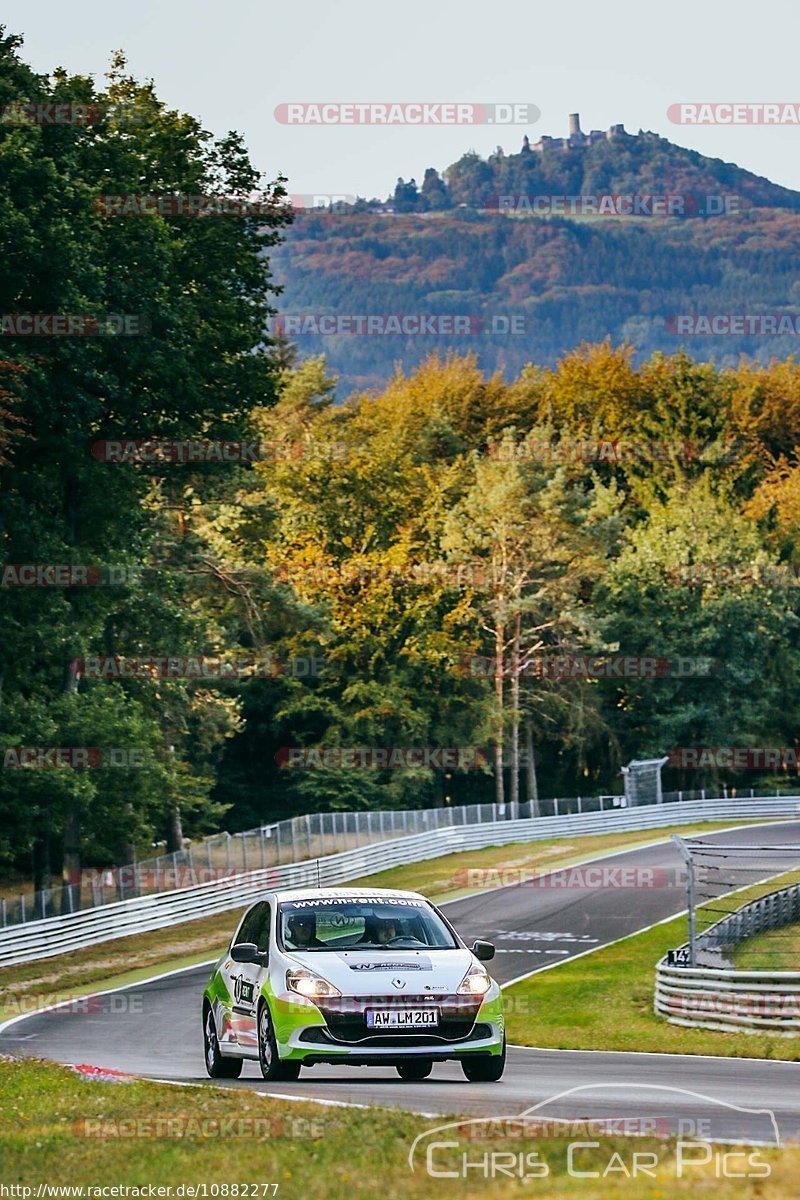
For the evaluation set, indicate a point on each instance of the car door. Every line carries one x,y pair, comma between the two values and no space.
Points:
245,978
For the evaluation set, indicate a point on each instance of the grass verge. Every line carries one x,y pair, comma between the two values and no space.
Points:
145,1134
776,950
604,1000
131,959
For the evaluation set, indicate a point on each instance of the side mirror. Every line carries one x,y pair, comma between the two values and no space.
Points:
483,951
245,952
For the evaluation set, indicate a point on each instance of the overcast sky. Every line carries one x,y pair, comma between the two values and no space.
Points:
232,63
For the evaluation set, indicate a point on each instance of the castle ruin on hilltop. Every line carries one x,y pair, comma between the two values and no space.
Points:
576,137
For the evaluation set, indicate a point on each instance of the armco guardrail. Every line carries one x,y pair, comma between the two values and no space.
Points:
771,911
743,1001
57,935
725,998
292,840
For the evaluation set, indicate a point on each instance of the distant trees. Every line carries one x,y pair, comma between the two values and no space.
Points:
432,196
406,196
434,191
423,553
539,560
568,280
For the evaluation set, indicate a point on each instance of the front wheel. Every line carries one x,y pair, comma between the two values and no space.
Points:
415,1069
485,1068
271,1066
217,1065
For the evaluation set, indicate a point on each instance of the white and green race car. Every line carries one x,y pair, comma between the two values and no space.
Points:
348,976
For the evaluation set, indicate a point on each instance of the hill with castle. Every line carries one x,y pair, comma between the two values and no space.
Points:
608,161
455,245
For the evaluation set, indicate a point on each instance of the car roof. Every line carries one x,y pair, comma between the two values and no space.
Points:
345,893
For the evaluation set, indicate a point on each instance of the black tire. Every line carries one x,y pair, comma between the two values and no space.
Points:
217,1064
415,1069
485,1068
271,1066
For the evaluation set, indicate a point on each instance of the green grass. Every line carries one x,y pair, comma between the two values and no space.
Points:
604,1000
130,959
311,1152
776,950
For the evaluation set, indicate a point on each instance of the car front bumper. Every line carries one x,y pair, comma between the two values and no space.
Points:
338,1033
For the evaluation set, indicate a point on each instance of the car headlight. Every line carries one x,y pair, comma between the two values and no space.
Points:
475,983
312,986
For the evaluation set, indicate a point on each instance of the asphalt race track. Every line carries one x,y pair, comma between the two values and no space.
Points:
154,1029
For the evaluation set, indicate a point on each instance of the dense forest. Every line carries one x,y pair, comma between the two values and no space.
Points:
215,631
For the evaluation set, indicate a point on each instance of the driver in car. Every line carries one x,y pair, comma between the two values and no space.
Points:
385,931
302,929
379,931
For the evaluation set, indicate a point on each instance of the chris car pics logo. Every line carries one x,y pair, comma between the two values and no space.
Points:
532,1145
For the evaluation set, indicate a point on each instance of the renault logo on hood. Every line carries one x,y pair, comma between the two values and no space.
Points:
398,983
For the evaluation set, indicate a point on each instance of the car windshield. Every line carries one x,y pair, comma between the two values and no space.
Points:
369,924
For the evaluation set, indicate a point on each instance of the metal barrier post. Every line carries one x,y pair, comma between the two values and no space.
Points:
687,858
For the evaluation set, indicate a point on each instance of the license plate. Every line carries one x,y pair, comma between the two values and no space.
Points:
402,1018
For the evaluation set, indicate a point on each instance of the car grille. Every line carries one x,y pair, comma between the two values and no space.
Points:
319,1036
346,1018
